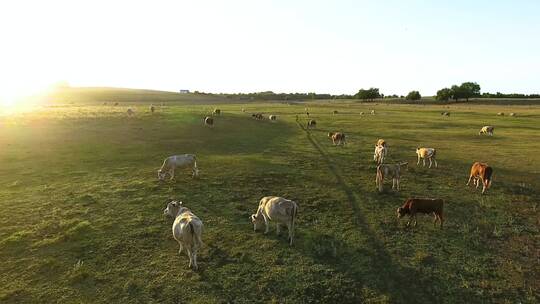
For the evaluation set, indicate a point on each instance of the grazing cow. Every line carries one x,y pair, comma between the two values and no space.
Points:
393,171
272,117
481,172
130,111
278,209
152,109
338,138
500,114
171,163
412,206
361,113
187,230
116,103
428,153
487,130
257,116
334,112
372,112
217,112
447,114
379,154
311,124
209,121
307,113
512,114
243,110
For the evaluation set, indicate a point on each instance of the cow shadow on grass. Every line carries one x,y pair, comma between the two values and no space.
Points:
382,272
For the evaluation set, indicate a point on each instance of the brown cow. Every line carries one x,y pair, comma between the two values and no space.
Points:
338,138
481,172
412,206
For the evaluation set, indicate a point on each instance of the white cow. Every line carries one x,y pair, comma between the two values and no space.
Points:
272,117
487,130
278,209
379,154
428,153
178,161
187,230
389,170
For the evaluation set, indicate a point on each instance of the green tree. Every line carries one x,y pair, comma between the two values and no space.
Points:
444,94
469,89
413,95
370,94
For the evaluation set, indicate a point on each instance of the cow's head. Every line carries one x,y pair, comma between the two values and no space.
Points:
172,208
256,220
161,175
330,134
400,212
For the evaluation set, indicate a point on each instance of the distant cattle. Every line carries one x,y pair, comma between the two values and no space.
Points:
171,163
116,103
130,111
187,230
217,112
307,113
500,114
481,173
338,138
272,117
487,130
426,153
372,112
277,209
412,206
243,110
257,116
445,114
512,114
334,112
152,109
361,113
389,170
311,124
209,121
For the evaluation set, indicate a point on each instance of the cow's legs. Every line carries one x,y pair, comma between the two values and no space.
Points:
291,232
180,250
397,182
415,221
469,181
190,255
430,162
477,181
436,165
423,162
194,258
418,162
171,173
266,224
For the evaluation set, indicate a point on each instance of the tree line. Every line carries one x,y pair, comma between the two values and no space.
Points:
456,92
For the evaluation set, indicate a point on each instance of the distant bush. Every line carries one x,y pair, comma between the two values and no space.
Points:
413,95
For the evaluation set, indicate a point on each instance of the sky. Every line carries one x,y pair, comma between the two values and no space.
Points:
329,46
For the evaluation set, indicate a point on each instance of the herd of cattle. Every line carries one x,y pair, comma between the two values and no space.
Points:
187,227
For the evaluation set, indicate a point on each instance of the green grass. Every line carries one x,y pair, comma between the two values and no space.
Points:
82,220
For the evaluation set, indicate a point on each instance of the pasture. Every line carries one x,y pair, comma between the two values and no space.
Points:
82,209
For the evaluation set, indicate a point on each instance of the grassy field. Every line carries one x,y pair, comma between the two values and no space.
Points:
82,221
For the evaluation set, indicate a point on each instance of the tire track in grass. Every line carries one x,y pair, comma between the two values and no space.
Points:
394,279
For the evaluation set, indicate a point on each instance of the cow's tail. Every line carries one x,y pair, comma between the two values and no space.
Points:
293,216
195,236
488,176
